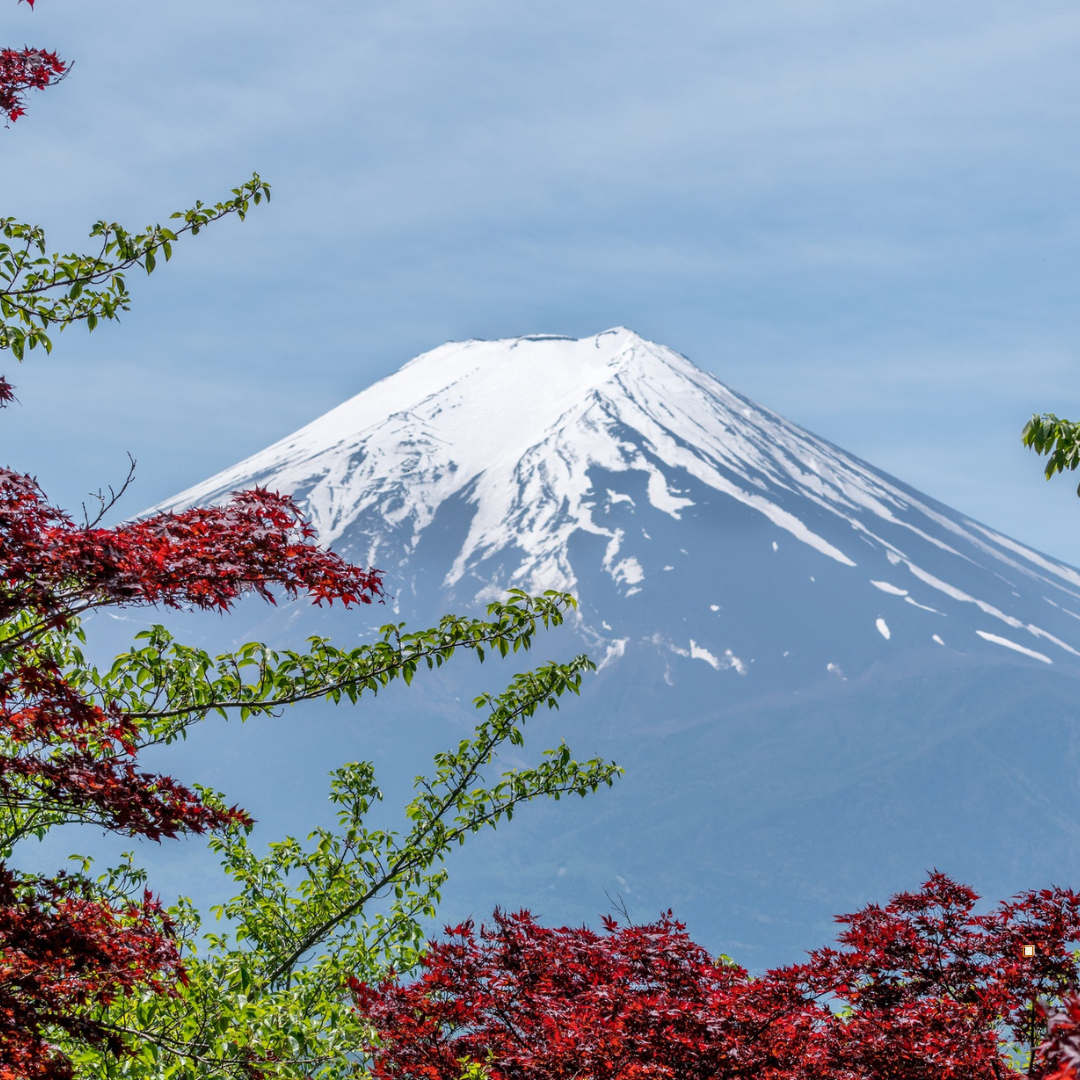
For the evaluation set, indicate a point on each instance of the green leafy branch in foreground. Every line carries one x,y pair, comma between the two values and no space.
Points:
1058,439
39,290
167,687
270,998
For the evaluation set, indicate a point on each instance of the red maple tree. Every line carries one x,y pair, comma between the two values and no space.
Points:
935,989
65,951
65,954
920,989
535,1003
26,69
69,946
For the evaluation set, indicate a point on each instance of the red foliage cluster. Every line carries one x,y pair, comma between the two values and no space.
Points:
204,558
535,1003
65,756
63,954
935,986
26,69
1062,1045
926,989
78,756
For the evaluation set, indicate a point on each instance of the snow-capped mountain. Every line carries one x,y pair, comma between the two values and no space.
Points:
543,445
821,681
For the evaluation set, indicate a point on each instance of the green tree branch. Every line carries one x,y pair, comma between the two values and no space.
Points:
40,290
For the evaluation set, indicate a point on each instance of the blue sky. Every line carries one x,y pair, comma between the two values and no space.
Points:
862,214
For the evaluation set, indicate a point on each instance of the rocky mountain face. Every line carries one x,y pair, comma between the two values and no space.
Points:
821,682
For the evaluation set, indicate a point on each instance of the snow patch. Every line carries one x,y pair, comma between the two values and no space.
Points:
988,609
1013,645
699,652
662,498
626,570
883,629
923,607
892,590
938,639
722,663
1066,573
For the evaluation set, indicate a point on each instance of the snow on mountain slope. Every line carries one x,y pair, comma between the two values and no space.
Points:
521,429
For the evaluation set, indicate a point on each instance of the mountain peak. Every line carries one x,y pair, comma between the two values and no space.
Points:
483,398
469,414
